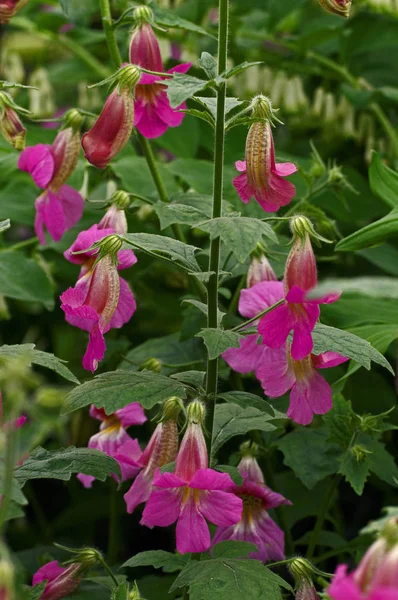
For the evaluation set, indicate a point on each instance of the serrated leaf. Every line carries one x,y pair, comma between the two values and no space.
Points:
199,114
239,234
233,549
61,464
37,591
383,181
169,18
355,471
180,87
116,389
37,357
345,343
203,308
231,420
4,225
230,579
159,559
245,399
208,63
340,422
310,454
372,234
211,104
195,379
218,340
237,69
182,255
23,279
177,213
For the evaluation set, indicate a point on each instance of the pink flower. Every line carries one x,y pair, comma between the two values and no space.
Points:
114,218
260,270
153,113
101,299
61,581
256,526
161,450
112,129
300,311
113,436
191,495
8,8
261,176
60,207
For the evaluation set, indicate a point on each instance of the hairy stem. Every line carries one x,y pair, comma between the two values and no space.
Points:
214,263
107,24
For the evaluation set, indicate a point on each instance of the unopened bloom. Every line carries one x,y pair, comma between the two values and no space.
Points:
338,7
59,207
161,450
306,591
153,113
113,435
11,127
61,581
115,219
101,299
8,8
300,311
192,494
255,526
261,176
260,270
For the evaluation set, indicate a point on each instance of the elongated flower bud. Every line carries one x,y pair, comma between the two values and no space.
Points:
112,129
338,7
300,267
8,8
12,129
306,591
60,581
144,48
192,454
260,270
65,151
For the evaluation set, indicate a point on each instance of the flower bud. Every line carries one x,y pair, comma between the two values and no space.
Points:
306,591
135,593
8,8
338,7
12,129
144,48
142,14
151,364
193,452
300,269
260,270
171,409
114,218
196,412
65,152
74,119
261,107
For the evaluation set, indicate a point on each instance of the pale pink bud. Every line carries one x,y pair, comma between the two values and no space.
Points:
338,7
370,563
144,49
300,269
114,218
192,454
65,151
12,129
386,575
112,129
260,270
306,591
8,8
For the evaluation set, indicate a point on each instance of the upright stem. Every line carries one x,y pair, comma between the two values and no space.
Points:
113,526
9,464
150,159
322,516
107,23
214,263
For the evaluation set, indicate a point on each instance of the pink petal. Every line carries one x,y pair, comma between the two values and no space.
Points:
271,499
169,115
272,544
39,163
275,375
95,350
72,203
328,359
192,530
167,480
276,325
182,68
162,508
302,340
54,216
325,299
309,397
296,295
285,169
151,125
126,306
50,571
126,259
259,297
86,480
240,166
139,110
221,508
132,414
139,491
127,457
39,219
343,586
244,190
85,240
248,357
208,479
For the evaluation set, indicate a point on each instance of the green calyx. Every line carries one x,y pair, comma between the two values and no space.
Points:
74,119
196,412
261,108
121,199
302,228
248,448
171,409
143,14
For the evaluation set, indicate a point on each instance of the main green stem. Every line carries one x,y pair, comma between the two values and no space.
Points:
214,263
322,516
107,23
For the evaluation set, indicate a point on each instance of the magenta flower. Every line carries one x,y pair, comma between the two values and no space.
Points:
101,299
256,526
161,450
112,129
153,113
261,177
300,311
113,436
310,392
191,495
8,8
61,581
59,207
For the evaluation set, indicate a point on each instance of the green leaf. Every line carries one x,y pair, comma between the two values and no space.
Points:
218,340
383,181
310,454
377,287
4,225
341,422
245,399
355,471
23,279
379,524
240,68
37,357
194,379
230,579
231,420
239,234
181,87
203,308
380,336
330,339
37,591
159,559
233,549
61,464
375,233
382,464
76,11
116,389
120,593
136,176
187,209
182,255
169,18
211,104
209,65
168,349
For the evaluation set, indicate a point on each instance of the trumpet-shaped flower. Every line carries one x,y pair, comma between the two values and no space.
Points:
191,495
300,311
261,177
113,436
59,207
255,526
61,581
153,113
